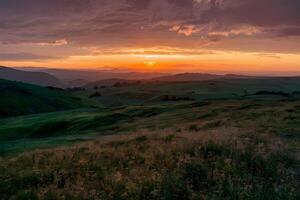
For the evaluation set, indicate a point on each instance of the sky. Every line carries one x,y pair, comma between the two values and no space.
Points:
220,36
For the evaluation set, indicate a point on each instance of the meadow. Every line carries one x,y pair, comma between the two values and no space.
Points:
238,143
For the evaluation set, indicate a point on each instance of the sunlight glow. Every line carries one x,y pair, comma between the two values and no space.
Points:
169,59
150,64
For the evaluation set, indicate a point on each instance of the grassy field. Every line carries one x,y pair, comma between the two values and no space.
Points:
199,161
239,144
41,129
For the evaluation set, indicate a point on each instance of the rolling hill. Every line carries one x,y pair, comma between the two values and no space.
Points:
111,82
18,98
185,77
37,78
155,92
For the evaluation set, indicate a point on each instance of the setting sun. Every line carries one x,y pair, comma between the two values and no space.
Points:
150,63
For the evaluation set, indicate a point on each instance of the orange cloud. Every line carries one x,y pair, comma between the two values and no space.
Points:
243,30
186,30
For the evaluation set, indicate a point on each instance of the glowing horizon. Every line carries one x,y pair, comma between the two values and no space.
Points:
212,61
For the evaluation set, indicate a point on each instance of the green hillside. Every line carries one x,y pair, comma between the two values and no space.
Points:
18,98
42,130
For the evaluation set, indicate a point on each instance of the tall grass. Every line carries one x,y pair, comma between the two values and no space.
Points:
154,166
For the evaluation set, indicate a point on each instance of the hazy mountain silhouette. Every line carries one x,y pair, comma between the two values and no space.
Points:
77,83
185,77
96,75
190,77
37,78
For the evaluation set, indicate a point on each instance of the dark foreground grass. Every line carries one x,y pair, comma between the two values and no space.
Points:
159,166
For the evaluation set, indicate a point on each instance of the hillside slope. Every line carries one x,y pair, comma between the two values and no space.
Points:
37,78
18,98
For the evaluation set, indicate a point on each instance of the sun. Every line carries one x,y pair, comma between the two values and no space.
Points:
150,63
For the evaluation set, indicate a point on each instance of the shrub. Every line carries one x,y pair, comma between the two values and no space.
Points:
169,138
96,94
141,139
174,187
26,196
211,149
197,175
194,128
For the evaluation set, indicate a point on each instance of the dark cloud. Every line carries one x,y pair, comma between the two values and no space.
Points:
124,22
258,13
23,57
288,31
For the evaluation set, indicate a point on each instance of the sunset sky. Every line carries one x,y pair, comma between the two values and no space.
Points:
220,36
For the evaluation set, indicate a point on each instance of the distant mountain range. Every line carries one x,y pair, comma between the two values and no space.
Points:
68,78
37,78
188,77
81,77
91,78
96,75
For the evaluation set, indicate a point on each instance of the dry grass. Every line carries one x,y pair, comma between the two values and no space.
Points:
164,164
